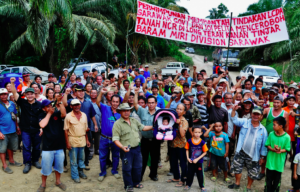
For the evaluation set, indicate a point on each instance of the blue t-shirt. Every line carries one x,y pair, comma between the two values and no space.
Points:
218,143
160,100
196,149
88,109
108,119
190,79
141,77
7,125
146,74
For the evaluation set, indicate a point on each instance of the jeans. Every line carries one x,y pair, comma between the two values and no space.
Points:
192,169
77,157
86,149
31,140
133,168
152,147
95,145
103,153
53,159
178,154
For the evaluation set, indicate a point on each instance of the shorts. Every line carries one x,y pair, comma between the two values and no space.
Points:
9,142
240,159
218,161
53,159
296,183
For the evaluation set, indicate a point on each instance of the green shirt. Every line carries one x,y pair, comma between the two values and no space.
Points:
127,134
276,161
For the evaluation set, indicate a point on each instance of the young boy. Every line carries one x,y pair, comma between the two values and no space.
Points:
278,144
219,147
195,151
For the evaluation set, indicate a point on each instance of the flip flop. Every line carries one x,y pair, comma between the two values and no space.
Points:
186,188
227,180
41,189
213,179
172,181
139,186
62,186
180,184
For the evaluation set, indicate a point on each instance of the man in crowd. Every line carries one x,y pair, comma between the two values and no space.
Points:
51,121
154,89
149,144
95,134
249,153
24,83
109,117
129,144
29,125
8,131
173,99
146,72
98,84
51,78
72,81
85,74
76,126
138,75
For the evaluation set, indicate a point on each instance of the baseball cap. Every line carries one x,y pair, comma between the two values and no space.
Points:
154,86
278,97
74,84
29,90
238,77
214,76
181,78
173,85
257,109
200,93
246,91
291,97
75,102
274,90
199,83
65,69
189,94
3,90
94,70
146,66
85,70
45,103
137,70
51,75
141,70
186,84
78,77
25,74
222,81
177,90
79,87
293,86
248,100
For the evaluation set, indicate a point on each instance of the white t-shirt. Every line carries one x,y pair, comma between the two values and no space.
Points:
297,161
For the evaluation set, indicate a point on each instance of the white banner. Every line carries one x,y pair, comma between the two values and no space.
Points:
254,30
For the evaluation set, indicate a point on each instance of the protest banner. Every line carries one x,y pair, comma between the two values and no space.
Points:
254,30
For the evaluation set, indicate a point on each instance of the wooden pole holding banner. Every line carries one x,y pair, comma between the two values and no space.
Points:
228,42
81,53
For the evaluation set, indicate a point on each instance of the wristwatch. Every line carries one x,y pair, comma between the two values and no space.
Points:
60,102
262,157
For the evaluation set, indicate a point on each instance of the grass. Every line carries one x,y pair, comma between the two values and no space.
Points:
207,52
184,58
279,68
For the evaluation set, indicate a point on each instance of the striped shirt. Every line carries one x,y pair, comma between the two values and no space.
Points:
203,112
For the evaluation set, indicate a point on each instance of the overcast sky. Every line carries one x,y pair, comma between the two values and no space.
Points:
199,8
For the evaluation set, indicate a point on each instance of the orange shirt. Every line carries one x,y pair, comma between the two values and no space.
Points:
19,88
292,124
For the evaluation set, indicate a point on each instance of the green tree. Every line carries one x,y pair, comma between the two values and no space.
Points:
218,13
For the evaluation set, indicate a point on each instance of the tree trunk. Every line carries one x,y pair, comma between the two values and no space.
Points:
134,59
51,44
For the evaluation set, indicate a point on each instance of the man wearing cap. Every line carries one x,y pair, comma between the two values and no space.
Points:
50,77
76,127
291,89
149,144
24,83
185,88
88,109
126,137
8,131
270,114
180,81
72,81
138,75
173,99
109,117
85,74
250,153
29,124
51,121
202,106
146,72
154,89
193,109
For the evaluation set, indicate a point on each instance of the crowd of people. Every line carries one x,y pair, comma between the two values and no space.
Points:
230,125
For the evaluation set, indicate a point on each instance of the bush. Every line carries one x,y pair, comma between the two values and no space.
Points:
179,56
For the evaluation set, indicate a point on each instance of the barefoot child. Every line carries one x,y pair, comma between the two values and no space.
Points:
278,144
219,147
195,151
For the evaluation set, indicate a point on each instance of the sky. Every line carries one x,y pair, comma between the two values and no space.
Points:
199,8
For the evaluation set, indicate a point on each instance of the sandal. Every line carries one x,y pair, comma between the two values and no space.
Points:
203,190
62,186
41,189
139,186
213,179
172,181
186,188
129,189
179,184
227,180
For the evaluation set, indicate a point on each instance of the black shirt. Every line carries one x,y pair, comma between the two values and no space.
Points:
29,118
189,118
217,115
53,133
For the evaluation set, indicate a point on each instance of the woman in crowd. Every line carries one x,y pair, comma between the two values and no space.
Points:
57,88
62,81
50,94
38,80
88,88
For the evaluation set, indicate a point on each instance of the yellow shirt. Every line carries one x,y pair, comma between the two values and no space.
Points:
179,85
76,129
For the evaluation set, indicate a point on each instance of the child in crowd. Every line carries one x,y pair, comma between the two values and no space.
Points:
195,151
164,131
219,147
296,164
278,144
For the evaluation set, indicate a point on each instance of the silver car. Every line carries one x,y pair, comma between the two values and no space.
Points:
100,67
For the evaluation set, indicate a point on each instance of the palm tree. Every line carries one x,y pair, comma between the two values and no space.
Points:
218,13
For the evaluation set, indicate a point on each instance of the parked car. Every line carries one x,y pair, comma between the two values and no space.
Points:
101,67
173,68
191,50
220,57
21,69
270,75
186,49
4,67
81,62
